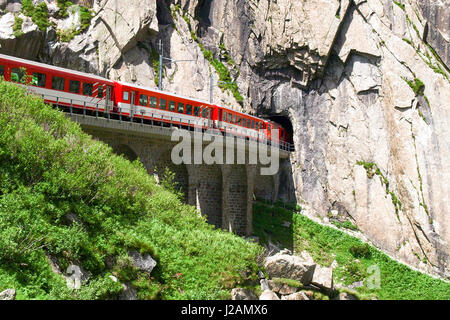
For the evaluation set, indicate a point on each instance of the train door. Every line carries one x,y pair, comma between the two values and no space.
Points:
132,104
108,99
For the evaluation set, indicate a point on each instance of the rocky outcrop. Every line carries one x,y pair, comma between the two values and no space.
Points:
243,294
144,262
28,45
289,281
119,26
268,295
284,265
9,294
323,278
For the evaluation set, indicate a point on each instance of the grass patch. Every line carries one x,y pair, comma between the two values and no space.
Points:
154,60
416,85
51,169
400,5
326,244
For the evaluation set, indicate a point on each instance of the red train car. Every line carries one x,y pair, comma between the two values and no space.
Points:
87,92
59,85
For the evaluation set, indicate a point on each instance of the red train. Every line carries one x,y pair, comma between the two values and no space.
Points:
82,91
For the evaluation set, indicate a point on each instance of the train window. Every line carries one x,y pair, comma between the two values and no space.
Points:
38,79
180,108
230,118
153,102
239,120
17,74
58,83
87,89
234,118
100,92
224,116
143,100
188,109
163,104
205,113
171,106
2,71
197,111
74,86
126,95
249,125
253,124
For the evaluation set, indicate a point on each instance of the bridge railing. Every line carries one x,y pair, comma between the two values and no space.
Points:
99,109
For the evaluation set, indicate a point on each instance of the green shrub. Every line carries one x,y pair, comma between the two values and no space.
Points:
360,251
17,27
63,5
39,13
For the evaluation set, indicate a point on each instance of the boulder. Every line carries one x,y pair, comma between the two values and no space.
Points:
142,262
296,296
323,278
346,296
9,294
291,267
128,293
281,288
268,295
243,294
76,276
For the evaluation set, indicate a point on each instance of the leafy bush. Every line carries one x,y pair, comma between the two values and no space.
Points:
63,5
38,14
360,251
17,27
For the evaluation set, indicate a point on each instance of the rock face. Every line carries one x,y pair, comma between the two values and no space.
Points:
290,267
366,96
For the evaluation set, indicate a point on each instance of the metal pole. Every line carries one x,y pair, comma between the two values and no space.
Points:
211,79
160,65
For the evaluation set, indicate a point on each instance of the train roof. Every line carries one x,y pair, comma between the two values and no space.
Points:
182,97
48,66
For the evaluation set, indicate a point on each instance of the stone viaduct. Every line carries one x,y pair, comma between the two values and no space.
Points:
223,193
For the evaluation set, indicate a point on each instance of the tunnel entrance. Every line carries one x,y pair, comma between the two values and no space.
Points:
286,123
